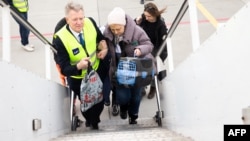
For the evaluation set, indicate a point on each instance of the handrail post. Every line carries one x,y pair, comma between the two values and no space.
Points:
170,55
194,24
47,62
167,39
6,33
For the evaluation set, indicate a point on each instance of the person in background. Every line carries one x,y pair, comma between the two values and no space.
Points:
126,39
72,58
22,7
155,27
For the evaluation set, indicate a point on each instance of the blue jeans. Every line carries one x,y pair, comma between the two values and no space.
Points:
24,32
129,99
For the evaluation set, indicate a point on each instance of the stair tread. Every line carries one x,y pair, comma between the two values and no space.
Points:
146,129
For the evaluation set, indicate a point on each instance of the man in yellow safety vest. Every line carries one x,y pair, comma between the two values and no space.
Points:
22,8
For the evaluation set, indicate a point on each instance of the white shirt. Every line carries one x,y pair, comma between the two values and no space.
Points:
76,34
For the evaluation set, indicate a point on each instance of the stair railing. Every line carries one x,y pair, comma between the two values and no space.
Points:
194,29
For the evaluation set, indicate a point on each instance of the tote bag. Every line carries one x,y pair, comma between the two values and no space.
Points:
91,90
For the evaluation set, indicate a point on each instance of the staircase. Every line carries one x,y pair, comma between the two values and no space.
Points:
119,130
113,128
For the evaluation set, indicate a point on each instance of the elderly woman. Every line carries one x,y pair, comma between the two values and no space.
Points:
126,39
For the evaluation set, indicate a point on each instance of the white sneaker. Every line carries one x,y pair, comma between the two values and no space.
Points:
32,46
28,48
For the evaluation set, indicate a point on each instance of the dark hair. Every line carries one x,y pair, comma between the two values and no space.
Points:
153,10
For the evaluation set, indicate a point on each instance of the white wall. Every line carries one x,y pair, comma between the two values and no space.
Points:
212,86
25,96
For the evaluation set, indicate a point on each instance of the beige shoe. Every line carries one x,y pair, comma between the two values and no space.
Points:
29,47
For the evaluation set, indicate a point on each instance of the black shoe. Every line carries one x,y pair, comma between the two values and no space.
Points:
123,115
95,126
132,121
143,92
87,124
115,110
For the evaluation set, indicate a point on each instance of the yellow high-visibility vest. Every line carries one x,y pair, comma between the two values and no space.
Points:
21,5
75,49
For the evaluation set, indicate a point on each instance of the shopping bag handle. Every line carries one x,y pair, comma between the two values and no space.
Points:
89,67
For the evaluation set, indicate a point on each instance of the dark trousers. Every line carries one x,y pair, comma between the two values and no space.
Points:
114,102
129,99
103,71
24,32
106,89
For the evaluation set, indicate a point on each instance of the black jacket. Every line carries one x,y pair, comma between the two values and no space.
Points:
155,31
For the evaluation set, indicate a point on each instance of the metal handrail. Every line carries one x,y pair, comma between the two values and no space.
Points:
174,25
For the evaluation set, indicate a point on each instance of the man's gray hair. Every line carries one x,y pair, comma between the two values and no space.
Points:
72,5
